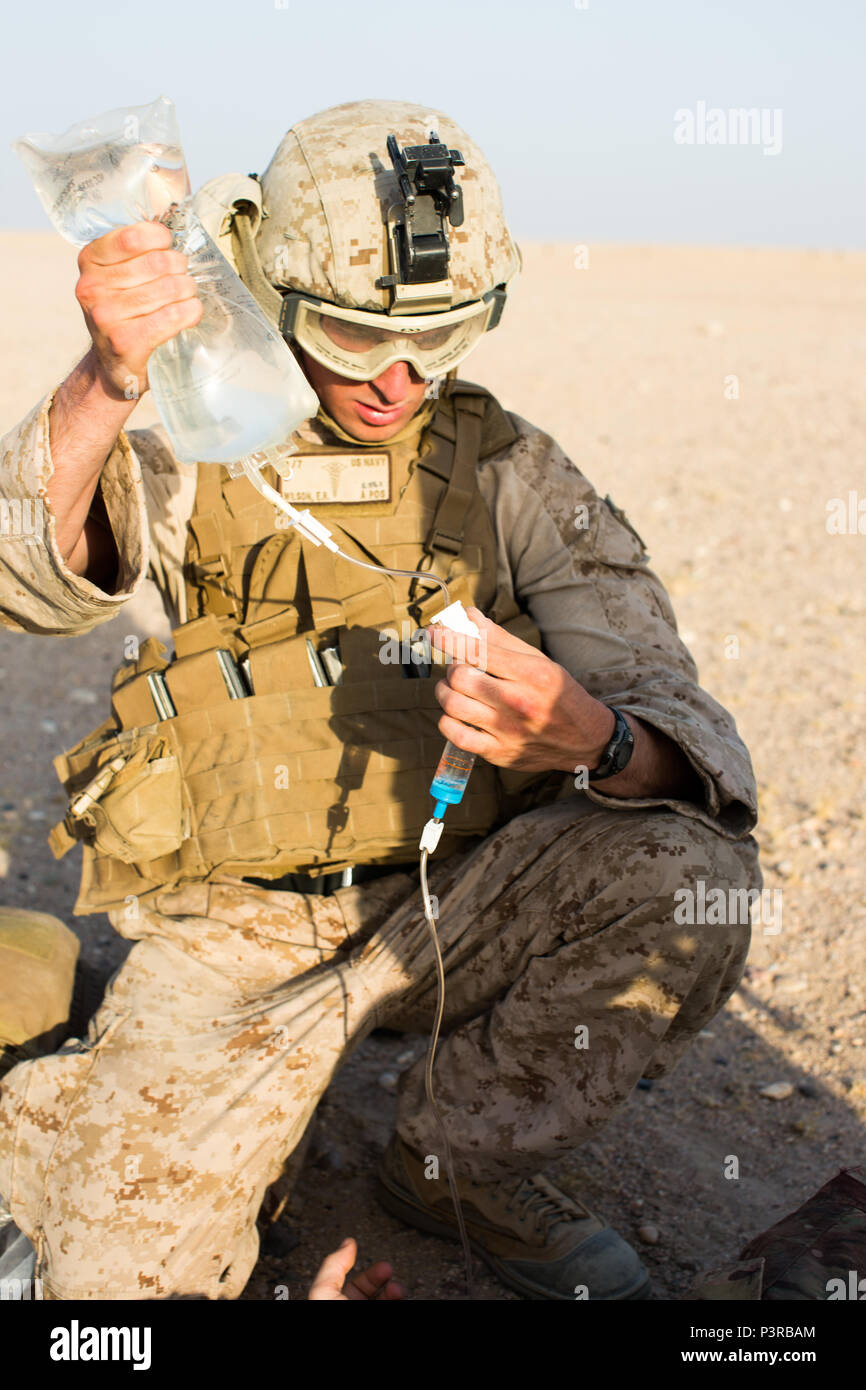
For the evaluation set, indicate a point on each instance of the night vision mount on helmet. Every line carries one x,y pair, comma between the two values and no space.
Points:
416,225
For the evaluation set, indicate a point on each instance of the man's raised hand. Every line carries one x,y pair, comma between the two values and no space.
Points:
135,293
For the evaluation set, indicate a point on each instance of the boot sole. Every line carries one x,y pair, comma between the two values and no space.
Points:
405,1208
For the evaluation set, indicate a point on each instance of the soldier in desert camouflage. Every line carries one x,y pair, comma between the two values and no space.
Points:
277,918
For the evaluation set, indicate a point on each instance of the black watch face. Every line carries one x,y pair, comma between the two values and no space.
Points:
618,751
623,752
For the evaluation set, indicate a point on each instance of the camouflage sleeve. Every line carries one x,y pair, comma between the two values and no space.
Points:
38,592
582,572
169,491
148,498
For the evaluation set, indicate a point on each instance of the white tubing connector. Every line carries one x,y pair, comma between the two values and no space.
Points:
431,835
304,521
457,619
314,531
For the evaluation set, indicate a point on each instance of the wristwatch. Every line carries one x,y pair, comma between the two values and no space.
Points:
618,751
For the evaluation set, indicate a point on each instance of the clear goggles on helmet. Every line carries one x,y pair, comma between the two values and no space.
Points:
354,344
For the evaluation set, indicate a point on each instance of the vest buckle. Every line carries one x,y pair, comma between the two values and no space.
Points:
442,540
96,789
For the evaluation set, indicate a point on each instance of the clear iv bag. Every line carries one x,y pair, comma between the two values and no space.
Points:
227,387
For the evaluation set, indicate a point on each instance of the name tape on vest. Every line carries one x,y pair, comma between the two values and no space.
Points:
323,478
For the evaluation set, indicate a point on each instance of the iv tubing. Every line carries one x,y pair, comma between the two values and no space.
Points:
428,1075
315,531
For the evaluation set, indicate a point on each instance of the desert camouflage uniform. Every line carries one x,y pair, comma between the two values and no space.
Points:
137,1160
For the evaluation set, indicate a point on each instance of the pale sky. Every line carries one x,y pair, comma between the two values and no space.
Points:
574,102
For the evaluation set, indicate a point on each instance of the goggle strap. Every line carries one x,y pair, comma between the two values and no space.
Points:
292,299
288,314
498,295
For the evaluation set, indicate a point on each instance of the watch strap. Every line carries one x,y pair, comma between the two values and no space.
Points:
618,751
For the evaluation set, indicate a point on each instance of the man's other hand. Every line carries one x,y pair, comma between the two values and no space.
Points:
332,1281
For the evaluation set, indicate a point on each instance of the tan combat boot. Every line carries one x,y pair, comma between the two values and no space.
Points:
535,1239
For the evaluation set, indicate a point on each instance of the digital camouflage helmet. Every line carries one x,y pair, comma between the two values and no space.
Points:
375,211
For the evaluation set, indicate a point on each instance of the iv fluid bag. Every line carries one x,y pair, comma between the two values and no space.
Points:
228,387
92,178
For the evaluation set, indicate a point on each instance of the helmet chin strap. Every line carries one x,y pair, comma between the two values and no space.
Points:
249,267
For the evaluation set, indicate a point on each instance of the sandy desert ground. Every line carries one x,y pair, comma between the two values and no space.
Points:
717,395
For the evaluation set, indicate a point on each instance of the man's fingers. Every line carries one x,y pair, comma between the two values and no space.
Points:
328,1283
464,707
137,270
123,243
500,635
375,1282
476,684
393,1291
495,652
466,739
118,306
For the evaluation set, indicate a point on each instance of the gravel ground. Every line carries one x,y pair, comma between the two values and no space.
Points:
717,395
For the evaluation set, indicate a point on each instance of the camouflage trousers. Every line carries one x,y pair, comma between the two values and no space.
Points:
137,1160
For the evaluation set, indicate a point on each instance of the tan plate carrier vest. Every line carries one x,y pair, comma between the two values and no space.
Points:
297,778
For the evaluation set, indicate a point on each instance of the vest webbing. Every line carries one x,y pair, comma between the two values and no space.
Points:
296,778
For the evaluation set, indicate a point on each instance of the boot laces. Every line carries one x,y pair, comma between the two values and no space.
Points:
538,1198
